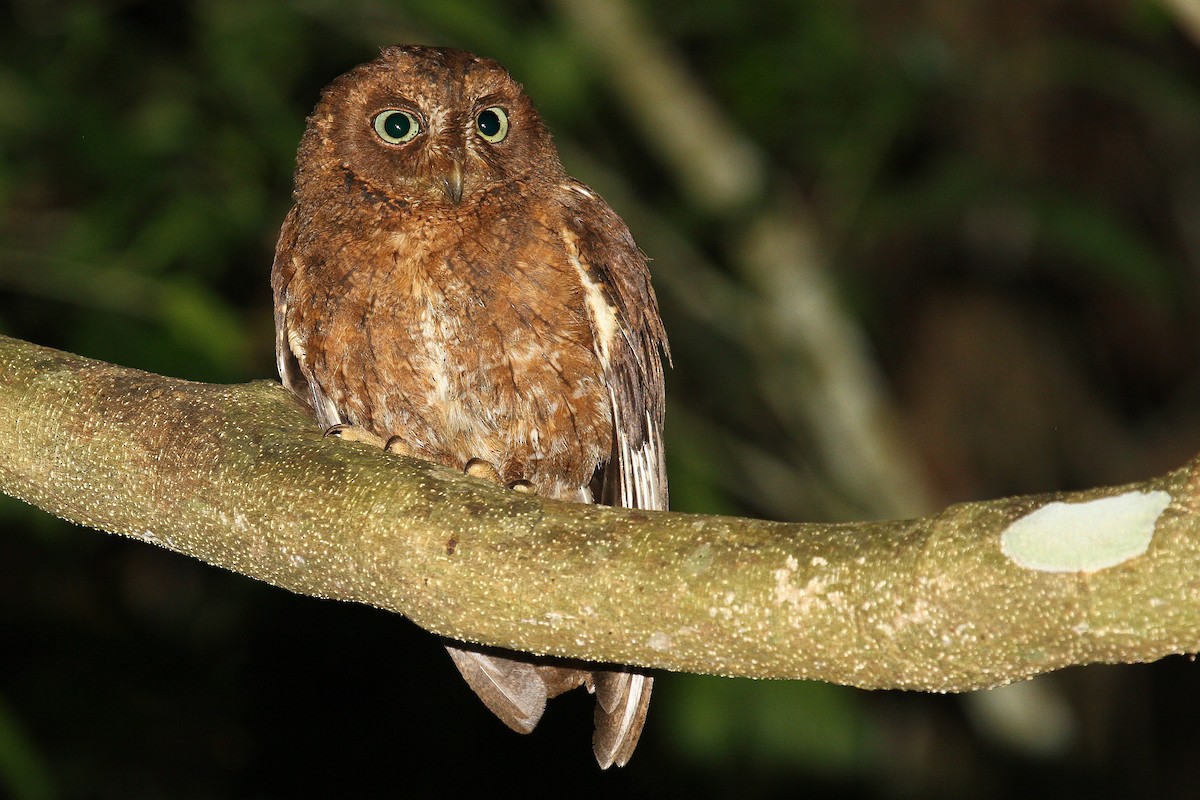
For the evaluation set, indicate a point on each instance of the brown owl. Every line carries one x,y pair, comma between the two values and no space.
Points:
443,288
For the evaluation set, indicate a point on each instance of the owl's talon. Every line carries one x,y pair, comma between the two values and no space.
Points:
485,470
397,445
352,433
336,430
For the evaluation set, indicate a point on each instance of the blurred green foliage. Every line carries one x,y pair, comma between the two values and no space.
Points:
1007,193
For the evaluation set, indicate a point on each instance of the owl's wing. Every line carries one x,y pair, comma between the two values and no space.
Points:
630,343
289,348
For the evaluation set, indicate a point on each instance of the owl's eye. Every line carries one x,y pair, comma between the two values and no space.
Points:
492,124
395,126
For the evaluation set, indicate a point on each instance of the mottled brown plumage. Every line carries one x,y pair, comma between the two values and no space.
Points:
441,282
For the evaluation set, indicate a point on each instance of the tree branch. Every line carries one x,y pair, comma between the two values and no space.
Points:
978,595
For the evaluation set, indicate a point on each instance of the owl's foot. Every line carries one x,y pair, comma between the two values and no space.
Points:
353,433
486,470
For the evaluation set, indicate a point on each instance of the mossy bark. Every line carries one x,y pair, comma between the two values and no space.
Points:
240,477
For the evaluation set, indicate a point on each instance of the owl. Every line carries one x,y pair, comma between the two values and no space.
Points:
444,289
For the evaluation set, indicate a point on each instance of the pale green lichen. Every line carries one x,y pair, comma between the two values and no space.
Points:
1087,536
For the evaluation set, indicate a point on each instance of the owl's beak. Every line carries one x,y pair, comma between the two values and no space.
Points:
451,183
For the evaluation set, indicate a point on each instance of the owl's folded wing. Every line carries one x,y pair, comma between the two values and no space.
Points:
289,350
630,343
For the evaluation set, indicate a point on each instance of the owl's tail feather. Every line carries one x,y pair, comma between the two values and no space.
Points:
512,690
622,699
516,691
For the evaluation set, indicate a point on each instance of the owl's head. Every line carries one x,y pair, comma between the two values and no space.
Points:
425,125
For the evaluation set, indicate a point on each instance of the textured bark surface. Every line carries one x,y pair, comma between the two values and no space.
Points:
240,477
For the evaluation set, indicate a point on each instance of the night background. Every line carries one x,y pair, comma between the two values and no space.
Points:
907,254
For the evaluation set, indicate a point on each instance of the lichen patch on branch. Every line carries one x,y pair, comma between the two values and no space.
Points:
1087,536
802,598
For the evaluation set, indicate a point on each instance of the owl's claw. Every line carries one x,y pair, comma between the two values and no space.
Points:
396,445
486,470
353,433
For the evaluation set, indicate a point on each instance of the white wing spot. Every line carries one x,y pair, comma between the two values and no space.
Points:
296,344
604,316
579,189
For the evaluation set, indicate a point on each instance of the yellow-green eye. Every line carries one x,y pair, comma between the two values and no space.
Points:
492,124
395,126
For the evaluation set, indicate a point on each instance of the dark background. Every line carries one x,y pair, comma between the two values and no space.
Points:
1002,197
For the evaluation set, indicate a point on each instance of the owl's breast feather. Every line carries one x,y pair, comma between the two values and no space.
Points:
478,352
